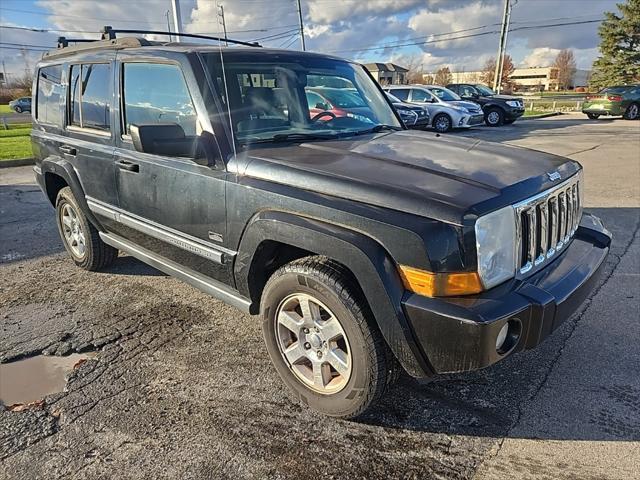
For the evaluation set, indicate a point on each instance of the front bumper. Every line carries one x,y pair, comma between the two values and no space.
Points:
513,113
459,334
471,120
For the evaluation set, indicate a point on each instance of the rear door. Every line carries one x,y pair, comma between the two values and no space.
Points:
170,205
89,145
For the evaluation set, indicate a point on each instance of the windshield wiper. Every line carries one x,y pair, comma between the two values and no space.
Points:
283,137
378,128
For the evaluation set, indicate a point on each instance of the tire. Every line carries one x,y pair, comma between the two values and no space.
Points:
632,112
80,238
593,116
18,109
367,367
494,117
442,123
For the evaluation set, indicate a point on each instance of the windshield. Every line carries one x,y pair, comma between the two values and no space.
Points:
444,94
485,90
288,96
393,98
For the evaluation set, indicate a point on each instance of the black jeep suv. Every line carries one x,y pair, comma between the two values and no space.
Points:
362,246
498,109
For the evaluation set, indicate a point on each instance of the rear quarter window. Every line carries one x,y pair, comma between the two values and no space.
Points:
48,94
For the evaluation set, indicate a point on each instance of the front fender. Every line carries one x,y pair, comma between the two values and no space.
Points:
366,259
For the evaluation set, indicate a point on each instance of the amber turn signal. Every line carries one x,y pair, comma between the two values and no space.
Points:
432,284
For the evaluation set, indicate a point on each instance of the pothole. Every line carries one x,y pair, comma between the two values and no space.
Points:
29,380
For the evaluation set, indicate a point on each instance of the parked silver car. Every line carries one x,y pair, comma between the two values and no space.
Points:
444,115
22,104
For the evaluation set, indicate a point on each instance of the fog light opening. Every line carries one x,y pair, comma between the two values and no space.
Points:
508,336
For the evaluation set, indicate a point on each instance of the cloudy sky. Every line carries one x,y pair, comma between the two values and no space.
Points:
461,34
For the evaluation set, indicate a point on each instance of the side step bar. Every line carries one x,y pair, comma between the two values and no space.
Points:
195,279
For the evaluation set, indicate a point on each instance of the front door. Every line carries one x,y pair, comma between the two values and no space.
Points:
170,205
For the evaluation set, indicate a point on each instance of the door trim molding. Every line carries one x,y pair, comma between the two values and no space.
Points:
191,244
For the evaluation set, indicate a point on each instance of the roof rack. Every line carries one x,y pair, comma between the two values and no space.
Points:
109,33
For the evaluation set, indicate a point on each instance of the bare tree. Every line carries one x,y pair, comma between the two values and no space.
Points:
566,65
427,79
443,76
23,84
415,73
489,71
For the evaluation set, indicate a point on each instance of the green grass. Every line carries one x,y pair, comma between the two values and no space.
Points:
5,109
15,143
529,113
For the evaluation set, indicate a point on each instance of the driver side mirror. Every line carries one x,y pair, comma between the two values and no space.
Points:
169,140
322,106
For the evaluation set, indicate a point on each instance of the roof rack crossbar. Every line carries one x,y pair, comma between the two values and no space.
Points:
109,33
63,42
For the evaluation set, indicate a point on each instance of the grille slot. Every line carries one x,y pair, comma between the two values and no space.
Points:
546,223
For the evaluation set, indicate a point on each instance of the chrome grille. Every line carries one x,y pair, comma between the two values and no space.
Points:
545,223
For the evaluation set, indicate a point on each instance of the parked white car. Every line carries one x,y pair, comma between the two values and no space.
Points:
444,115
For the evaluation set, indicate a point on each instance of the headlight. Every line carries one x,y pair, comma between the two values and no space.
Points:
461,109
513,103
495,242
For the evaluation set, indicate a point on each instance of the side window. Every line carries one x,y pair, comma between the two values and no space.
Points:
90,96
48,94
467,91
420,95
454,88
313,99
157,93
401,93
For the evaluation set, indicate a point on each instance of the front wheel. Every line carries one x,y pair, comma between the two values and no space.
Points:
18,109
322,340
442,123
494,117
632,112
593,116
81,239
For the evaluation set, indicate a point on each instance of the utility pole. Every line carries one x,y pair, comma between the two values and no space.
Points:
177,18
221,21
4,71
301,26
497,78
167,13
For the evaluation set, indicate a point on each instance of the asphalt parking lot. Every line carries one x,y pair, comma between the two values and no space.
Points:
181,385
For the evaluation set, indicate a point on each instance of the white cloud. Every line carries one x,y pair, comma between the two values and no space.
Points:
540,57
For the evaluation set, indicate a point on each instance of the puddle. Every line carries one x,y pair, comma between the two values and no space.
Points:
29,380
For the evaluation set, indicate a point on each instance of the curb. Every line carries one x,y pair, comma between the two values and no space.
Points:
542,115
18,162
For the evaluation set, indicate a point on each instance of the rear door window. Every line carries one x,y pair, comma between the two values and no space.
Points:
157,93
49,91
401,93
90,96
420,95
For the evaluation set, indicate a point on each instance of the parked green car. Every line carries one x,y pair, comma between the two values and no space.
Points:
621,100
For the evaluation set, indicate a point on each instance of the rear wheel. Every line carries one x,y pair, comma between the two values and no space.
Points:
322,339
80,238
494,117
632,112
442,123
593,116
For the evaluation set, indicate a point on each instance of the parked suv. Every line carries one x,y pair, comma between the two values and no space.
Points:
498,109
413,116
363,247
444,115
22,104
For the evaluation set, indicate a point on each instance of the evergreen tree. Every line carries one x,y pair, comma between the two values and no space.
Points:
619,60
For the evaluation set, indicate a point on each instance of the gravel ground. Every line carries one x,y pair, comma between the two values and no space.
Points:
181,386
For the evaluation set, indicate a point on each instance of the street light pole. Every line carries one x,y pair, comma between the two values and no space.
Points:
224,24
497,78
301,26
177,18
167,13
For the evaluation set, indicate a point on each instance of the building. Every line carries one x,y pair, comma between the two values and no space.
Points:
535,78
388,73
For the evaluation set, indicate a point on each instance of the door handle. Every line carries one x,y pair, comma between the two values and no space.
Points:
128,166
68,150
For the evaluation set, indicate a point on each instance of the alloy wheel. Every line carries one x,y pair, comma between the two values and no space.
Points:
493,117
72,230
633,111
442,123
313,343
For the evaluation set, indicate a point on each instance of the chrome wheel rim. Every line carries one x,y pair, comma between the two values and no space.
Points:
442,124
633,112
493,117
313,343
72,230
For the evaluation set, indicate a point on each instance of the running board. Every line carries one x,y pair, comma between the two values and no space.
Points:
195,279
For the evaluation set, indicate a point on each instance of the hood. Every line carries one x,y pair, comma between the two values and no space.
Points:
506,97
436,176
473,106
